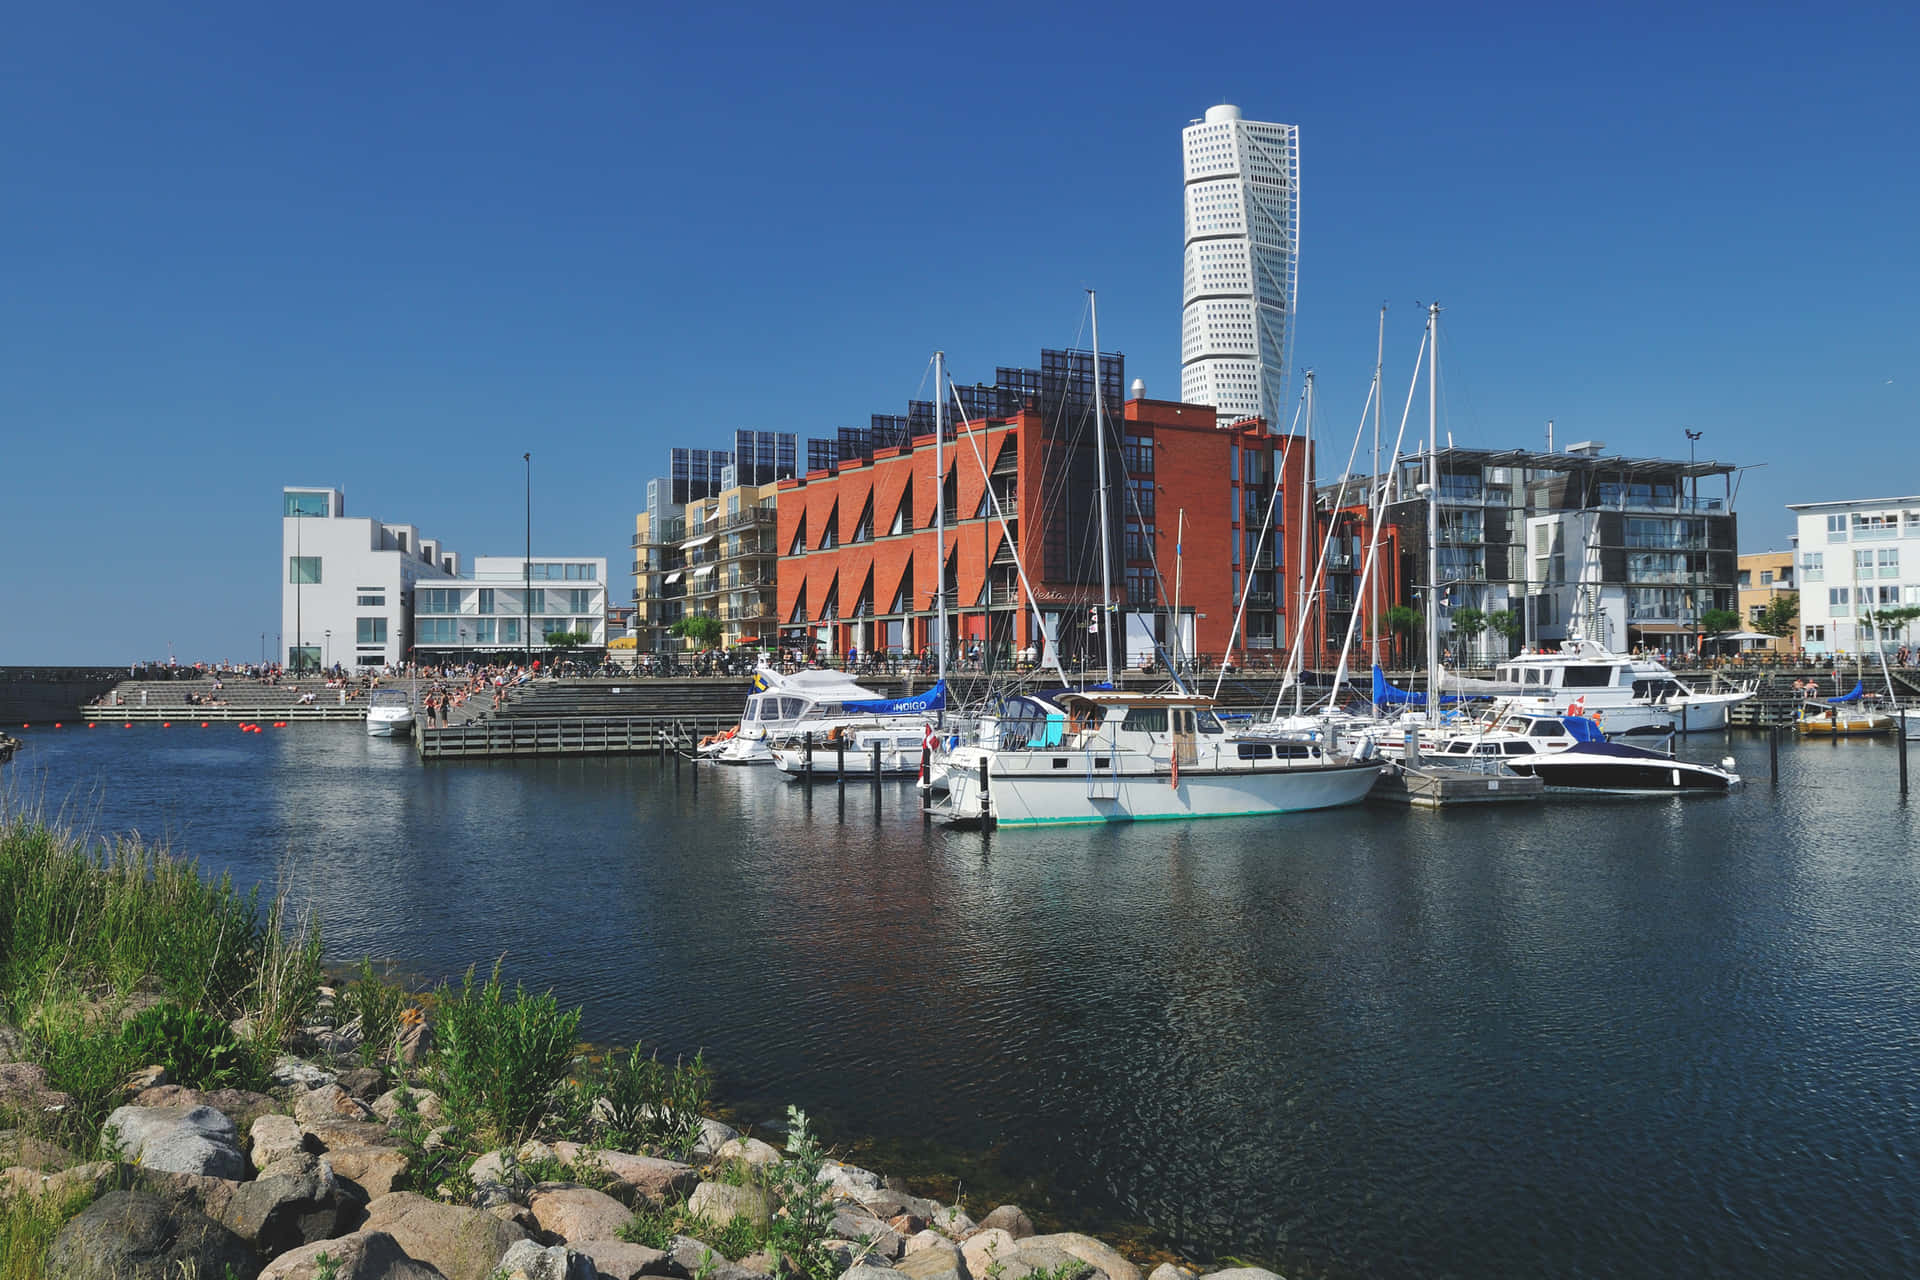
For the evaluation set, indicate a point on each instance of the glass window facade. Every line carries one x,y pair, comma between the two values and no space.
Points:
370,631
303,570
307,504
437,600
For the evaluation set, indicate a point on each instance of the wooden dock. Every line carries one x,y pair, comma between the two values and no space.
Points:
594,736
251,715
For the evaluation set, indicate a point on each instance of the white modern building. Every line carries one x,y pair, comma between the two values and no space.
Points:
1243,241
1857,559
359,592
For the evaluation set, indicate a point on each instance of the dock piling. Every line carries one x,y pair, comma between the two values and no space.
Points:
876,780
806,759
1900,737
1773,754
840,766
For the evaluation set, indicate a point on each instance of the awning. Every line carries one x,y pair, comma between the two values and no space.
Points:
673,577
700,541
704,570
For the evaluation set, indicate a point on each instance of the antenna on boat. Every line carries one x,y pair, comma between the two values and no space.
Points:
940,505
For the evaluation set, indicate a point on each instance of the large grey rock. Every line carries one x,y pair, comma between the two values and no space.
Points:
241,1106
656,1182
374,1170
1049,1258
953,1221
720,1203
528,1261
296,1073
363,1255
921,1241
849,1180
749,1151
1090,1251
196,1140
328,1134
136,1235
850,1222
578,1213
713,1136
1242,1273
941,1261
867,1271
1010,1218
364,1083
330,1103
282,1211
988,1247
689,1257
619,1260
1169,1271
463,1243
275,1136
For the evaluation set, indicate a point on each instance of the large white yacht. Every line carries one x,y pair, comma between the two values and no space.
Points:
783,708
1619,692
1125,757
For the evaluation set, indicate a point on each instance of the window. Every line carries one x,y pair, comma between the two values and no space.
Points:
579,599
303,570
1812,566
1836,528
1766,577
1889,562
433,631
372,598
370,631
1146,720
1816,633
536,600
306,504
483,631
1746,578
437,600
509,631
1837,602
550,627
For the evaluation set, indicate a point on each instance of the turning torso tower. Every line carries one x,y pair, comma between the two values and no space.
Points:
1243,225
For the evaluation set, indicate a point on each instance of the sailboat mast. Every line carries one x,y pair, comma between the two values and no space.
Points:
1376,493
1305,595
940,506
1433,515
1100,460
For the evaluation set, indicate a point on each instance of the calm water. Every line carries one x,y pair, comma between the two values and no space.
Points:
1623,1038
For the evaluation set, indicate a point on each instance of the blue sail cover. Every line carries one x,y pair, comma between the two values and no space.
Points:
1386,695
1858,690
934,699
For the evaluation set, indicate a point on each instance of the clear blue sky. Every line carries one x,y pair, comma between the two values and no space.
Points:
392,247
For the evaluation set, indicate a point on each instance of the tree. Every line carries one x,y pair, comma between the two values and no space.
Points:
1716,621
1893,621
1469,622
704,631
1782,615
1404,622
1504,623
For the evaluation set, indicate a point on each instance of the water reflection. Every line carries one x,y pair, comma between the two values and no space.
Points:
1665,1038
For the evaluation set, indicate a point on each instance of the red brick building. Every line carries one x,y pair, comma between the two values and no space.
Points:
856,538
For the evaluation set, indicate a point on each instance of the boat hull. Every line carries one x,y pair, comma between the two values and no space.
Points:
1023,799
394,728
1568,771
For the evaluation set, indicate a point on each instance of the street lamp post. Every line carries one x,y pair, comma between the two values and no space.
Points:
328,660
1693,611
526,571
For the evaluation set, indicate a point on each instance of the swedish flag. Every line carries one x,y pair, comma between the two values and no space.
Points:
760,684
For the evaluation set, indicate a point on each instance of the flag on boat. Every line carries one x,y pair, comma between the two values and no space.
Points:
934,699
760,681
1578,707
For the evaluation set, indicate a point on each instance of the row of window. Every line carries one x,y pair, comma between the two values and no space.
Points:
446,631
430,600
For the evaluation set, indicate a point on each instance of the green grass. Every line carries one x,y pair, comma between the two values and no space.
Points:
27,1227
501,1057
86,927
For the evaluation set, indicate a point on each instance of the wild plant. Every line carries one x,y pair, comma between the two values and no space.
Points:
798,1234
431,1165
647,1103
377,1005
500,1058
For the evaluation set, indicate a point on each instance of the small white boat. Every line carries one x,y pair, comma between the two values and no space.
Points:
389,714
1132,757
784,707
852,747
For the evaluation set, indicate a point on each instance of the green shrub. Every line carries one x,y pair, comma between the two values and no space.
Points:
806,1218
430,1166
500,1059
197,1049
649,1104
654,1226
82,1060
377,1005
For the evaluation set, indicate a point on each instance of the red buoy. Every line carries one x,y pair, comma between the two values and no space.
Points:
203,724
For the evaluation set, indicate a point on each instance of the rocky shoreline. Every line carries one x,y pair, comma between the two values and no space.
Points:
339,1170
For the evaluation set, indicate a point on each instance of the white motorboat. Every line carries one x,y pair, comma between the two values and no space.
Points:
1620,692
1128,757
1613,768
389,713
848,750
786,706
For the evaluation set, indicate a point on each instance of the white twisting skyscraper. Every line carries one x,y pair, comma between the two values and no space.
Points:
1243,227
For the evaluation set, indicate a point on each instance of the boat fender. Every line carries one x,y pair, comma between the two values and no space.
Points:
1727,763
1365,751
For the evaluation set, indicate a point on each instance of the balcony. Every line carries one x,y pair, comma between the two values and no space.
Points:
1668,578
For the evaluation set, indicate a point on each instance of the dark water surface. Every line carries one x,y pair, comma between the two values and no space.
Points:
1649,1038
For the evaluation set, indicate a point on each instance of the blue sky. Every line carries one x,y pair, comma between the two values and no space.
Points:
391,248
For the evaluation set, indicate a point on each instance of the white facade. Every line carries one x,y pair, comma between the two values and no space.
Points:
358,592
1855,559
1242,248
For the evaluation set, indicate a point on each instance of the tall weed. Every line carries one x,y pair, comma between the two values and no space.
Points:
500,1058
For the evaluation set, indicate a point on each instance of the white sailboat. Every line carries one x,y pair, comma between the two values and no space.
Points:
1127,757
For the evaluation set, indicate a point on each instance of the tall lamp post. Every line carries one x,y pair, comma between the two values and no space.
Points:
526,571
328,661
